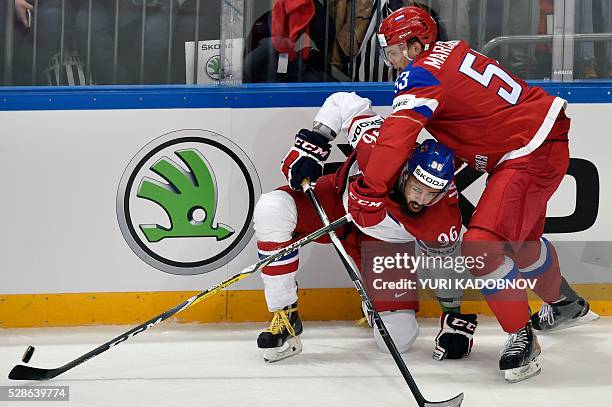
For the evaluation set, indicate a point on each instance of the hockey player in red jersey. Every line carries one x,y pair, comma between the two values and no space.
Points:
498,124
421,208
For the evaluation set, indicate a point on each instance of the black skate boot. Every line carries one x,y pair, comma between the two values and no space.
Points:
281,340
519,357
563,314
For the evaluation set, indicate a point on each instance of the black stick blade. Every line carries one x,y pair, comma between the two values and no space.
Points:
21,372
454,402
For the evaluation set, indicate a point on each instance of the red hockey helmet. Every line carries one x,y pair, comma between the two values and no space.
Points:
407,23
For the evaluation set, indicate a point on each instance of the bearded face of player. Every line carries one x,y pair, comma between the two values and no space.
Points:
418,195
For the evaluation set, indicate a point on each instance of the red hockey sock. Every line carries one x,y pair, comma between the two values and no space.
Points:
538,262
287,264
509,305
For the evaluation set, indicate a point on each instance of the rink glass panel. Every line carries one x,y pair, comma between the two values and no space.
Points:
131,42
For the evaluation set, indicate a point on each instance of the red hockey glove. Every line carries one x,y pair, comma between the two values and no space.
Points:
454,341
305,158
365,210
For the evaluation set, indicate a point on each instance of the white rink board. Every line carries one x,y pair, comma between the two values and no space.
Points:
62,170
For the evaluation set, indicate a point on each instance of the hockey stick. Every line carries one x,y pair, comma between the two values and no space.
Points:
21,372
354,274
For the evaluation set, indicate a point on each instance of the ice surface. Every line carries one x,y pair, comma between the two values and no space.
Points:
217,365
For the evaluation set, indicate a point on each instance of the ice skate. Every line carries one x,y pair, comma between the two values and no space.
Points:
281,340
562,314
519,357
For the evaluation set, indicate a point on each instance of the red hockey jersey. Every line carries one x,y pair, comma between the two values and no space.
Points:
468,102
438,227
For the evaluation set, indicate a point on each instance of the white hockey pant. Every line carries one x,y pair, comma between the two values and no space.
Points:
275,218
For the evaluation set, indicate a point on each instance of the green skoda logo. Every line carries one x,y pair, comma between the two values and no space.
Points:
185,202
189,199
213,67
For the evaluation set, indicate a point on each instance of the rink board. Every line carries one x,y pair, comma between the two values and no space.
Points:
67,153
316,304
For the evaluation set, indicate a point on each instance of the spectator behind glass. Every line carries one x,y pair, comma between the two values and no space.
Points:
521,59
369,67
23,11
593,16
71,71
341,14
21,66
49,70
157,30
264,63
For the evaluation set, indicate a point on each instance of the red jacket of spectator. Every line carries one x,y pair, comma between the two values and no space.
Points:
289,19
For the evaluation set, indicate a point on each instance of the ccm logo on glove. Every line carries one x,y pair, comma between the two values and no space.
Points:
318,152
366,210
363,202
305,158
460,323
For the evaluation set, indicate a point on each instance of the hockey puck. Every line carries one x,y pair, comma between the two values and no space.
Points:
27,355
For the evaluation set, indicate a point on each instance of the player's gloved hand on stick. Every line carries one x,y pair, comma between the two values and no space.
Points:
305,158
454,341
365,210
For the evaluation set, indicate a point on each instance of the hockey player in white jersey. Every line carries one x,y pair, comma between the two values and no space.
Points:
422,208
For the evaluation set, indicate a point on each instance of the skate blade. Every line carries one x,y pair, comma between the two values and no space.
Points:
292,347
524,372
585,319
